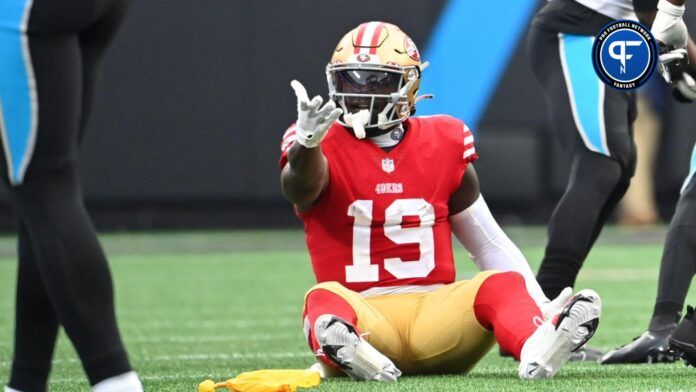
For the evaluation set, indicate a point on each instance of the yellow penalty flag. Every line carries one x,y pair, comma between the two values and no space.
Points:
272,380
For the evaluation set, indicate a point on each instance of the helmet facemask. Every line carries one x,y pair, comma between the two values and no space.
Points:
382,90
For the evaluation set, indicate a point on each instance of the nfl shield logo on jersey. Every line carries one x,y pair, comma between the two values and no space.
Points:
388,165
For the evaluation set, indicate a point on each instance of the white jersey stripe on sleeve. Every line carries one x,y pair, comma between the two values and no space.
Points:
469,152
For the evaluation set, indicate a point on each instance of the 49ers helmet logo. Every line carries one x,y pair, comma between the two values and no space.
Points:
411,49
363,57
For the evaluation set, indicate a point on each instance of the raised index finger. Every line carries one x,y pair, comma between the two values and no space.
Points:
300,91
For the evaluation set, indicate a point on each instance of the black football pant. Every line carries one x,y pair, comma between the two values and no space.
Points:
678,265
595,126
50,52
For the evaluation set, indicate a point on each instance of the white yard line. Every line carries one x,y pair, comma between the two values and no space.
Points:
201,357
620,274
203,338
232,356
148,324
213,338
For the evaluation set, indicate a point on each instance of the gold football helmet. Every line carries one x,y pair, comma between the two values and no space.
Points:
375,68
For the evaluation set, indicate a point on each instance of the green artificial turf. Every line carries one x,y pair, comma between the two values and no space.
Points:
200,305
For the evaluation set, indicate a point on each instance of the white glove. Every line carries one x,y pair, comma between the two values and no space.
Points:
313,120
672,64
686,88
669,27
553,307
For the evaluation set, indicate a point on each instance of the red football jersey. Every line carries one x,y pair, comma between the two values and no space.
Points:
383,219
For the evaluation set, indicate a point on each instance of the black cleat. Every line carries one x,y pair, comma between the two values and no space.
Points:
585,354
683,340
650,347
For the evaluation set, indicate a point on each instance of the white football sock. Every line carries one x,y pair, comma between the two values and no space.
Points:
8,389
126,382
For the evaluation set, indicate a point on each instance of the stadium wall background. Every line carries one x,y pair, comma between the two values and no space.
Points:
195,96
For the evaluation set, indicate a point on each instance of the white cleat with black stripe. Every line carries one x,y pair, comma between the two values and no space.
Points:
341,343
552,344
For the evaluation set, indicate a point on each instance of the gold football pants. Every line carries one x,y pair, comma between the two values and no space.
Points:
431,332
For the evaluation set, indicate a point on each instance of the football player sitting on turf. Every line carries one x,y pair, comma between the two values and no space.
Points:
380,194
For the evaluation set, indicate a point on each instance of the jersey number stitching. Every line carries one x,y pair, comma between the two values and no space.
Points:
362,270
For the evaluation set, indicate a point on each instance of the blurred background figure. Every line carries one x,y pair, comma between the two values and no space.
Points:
638,206
678,266
50,53
599,142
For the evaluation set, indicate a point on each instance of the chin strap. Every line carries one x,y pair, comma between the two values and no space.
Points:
419,98
382,119
422,97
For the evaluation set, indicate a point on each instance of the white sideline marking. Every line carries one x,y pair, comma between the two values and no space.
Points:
202,339
212,338
200,357
619,274
146,324
226,357
72,380
194,377
275,311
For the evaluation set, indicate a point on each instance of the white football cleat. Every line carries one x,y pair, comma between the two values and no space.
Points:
341,343
324,370
551,345
126,382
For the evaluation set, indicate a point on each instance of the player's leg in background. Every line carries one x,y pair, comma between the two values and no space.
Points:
678,265
72,267
620,111
638,207
677,269
94,42
598,138
69,261
36,325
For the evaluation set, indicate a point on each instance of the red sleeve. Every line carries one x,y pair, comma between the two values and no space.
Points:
287,142
458,137
470,155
